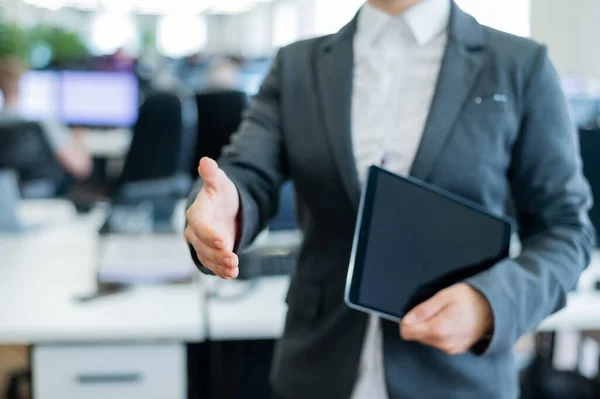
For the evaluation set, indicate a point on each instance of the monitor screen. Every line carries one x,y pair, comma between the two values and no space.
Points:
252,76
39,96
99,98
585,111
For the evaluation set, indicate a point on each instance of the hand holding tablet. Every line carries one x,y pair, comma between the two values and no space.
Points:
453,320
412,242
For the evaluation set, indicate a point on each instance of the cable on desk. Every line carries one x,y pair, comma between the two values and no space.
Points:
217,294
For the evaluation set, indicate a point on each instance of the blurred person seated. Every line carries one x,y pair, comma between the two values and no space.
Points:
122,62
119,61
224,74
192,71
67,148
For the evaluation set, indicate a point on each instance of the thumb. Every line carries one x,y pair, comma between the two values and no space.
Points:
427,309
210,173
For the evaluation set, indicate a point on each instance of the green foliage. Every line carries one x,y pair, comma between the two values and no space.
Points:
148,40
14,42
66,46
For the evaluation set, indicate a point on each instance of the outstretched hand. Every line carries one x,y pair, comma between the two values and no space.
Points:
212,221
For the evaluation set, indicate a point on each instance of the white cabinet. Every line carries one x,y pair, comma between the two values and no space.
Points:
110,372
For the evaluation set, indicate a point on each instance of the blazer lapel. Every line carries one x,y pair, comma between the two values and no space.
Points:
334,76
460,69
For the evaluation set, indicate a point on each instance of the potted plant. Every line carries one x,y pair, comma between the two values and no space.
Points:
14,43
65,47
14,51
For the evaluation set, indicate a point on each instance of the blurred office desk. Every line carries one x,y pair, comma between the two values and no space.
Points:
129,345
259,311
244,320
583,306
247,310
581,314
111,143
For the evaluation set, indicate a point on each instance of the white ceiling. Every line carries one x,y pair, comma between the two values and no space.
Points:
159,7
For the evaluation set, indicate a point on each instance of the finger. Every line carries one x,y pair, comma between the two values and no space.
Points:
211,175
218,270
427,309
190,237
438,332
218,256
414,332
222,263
209,236
202,229
207,169
214,178
427,326
222,258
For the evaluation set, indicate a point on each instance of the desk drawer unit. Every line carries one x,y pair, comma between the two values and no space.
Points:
110,372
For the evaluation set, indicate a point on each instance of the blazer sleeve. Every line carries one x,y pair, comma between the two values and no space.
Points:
552,200
255,161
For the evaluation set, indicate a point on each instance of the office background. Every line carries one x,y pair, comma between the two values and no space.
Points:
98,296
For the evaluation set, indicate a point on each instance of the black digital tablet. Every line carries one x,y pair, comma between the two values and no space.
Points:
413,239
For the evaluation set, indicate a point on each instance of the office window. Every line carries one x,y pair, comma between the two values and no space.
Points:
118,6
181,35
332,15
285,25
113,31
512,16
49,4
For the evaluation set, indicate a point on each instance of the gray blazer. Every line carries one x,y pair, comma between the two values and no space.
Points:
498,125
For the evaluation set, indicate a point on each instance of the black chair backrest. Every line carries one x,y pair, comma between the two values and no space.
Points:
219,115
164,138
590,150
25,149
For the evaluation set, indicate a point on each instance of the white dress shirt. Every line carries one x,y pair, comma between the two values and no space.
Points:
396,65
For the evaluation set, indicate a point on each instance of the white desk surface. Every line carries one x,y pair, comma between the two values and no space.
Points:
258,315
112,143
42,271
261,313
582,313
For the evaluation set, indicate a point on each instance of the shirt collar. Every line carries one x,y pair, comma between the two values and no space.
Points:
425,20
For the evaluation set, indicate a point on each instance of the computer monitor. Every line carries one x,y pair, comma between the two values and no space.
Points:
585,111
252,75
286,215
103,99
39,96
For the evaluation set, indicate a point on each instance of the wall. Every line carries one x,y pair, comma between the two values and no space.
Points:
571,29
249,34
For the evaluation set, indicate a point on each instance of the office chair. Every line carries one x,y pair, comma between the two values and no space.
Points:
287,217
590,147
219,115
25,149
164,138
155,176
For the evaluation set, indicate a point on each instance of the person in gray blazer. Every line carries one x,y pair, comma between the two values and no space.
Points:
422,88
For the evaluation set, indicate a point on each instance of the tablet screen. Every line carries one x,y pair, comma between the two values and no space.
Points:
416,240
